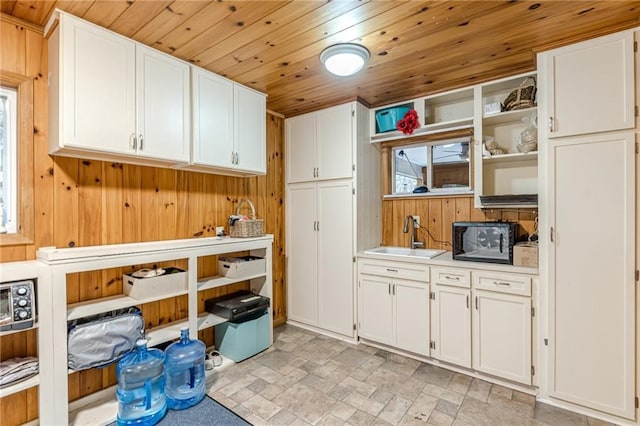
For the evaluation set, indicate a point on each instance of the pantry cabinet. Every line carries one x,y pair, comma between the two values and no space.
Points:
319,295
319,144
229,127
329,219
394,310
590,164
111,98
590,86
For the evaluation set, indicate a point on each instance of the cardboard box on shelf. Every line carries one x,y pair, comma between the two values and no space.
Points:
525,254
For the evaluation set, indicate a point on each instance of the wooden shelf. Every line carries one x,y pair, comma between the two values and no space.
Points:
508,158
463,123
106,304
508,116
20,386
219,281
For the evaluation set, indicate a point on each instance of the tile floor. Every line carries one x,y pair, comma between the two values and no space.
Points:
307,378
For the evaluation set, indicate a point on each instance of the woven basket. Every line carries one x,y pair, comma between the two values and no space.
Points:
523,97
247,228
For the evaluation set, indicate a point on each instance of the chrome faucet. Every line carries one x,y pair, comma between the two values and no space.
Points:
414,244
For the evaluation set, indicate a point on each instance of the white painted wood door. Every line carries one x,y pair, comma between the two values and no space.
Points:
163,106
451,324
302,254
502,335
250,130
334,142
212,119
335,256
592,263
300,139
97,88
411,306
376,309
590,87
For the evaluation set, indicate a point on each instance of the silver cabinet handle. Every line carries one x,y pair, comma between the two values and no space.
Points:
502,283
550,124
134,141
317,171
237,158
389,288
391,270
141,142
314,225
467,301
318,225
393,290
452,278
476,303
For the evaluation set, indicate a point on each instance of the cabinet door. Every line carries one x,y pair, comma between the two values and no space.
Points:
250,130
212,119
376,309
97,86
591,279
302,254
335,257
591,86
411,300
164,106
335,142
300,138
451,324
502,335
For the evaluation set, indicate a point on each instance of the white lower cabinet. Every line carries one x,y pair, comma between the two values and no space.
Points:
451,316
478,319
394,310
502,329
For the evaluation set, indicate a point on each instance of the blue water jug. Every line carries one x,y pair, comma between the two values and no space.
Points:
141,382
184,370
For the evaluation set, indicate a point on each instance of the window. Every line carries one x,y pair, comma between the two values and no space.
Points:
8,161
441,167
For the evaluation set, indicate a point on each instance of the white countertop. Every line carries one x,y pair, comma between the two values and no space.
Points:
446,259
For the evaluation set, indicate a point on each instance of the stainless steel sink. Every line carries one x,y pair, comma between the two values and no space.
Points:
405,251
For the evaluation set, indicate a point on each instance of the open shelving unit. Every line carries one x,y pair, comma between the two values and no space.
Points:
101,407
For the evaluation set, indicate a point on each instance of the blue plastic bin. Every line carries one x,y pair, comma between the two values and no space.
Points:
241,340
386,119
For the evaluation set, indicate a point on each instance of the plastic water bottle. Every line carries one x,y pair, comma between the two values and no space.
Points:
141,381
184,370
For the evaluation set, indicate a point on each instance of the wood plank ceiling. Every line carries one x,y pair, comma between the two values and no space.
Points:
417,47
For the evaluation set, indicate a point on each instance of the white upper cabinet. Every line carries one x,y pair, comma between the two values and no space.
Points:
250,129
320,145
113,99
229,126
590,86
163,106
92,78
212,119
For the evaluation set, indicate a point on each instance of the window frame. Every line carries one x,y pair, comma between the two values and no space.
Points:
24,174
388,163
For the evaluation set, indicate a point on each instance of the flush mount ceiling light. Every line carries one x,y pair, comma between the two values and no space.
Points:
344,59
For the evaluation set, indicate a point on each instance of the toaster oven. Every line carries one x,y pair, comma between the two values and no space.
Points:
17,305
490,242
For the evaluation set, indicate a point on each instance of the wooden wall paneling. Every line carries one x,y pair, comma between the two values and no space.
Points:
13,47
13,409
33,10
132,213
448,217
32,403
435,222
76,8
90,191
7,6
104,13
387,222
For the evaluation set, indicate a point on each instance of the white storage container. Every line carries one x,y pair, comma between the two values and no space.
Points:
237,267
174,280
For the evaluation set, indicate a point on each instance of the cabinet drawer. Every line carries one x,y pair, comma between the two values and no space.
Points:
452,276
409,271
502,283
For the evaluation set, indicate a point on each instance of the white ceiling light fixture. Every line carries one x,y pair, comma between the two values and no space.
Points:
344,59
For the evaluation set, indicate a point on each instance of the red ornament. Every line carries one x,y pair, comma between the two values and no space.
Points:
409,123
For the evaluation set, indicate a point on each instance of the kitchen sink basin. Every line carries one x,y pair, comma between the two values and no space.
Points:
405,251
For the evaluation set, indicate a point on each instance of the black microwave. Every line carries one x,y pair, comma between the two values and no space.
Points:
490,242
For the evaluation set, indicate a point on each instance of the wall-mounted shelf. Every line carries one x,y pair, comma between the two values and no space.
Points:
20,386
518,156
508,116
219,281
